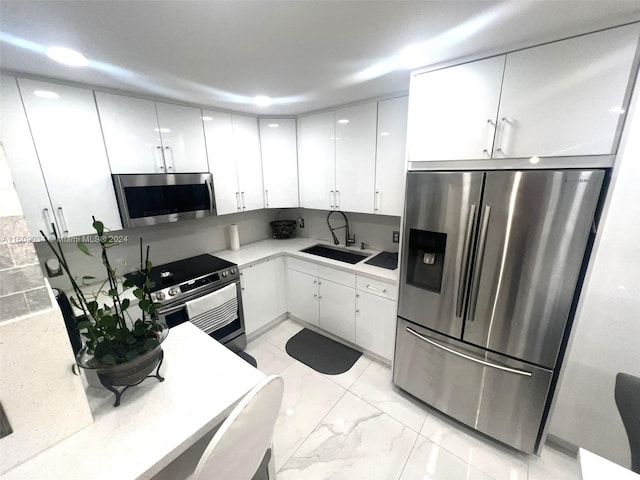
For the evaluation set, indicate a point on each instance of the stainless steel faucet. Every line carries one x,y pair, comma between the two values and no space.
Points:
348,239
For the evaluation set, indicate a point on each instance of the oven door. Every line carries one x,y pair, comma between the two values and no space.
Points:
232,334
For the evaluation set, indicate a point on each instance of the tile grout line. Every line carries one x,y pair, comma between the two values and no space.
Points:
408,456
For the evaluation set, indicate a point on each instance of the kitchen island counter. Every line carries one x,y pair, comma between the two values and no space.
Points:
156,421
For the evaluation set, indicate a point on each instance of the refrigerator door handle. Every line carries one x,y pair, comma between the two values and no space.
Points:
468,357
475,285
464,265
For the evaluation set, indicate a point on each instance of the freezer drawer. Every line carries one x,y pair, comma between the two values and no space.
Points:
495,395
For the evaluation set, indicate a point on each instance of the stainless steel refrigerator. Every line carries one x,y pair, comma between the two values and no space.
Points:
489,267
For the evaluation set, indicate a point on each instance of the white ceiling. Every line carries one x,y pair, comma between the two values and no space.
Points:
306,55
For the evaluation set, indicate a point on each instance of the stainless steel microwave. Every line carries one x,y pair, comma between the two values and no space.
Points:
148,199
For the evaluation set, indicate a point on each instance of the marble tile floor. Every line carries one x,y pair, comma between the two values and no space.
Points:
359,426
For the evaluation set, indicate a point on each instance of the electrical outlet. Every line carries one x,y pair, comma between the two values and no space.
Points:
301,222
396,236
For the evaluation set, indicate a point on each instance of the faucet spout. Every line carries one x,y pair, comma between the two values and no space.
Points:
349,239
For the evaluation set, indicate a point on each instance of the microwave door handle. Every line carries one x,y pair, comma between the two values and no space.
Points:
210,190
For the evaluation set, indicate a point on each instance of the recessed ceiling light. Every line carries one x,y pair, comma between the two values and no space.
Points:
273,125
343,121
45,94
207,119
67,56
384,134
262,101
162,130
618,110
535,159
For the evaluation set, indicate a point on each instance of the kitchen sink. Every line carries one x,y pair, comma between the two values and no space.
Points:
338,254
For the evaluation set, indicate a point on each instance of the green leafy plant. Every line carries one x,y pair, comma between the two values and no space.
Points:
110,332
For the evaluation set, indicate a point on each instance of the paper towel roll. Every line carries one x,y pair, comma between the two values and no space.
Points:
234,238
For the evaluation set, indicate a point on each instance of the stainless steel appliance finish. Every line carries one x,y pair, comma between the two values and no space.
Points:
174,284
149,199
496,395
490,263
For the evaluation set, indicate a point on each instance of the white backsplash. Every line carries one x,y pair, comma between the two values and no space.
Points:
168,242
375,230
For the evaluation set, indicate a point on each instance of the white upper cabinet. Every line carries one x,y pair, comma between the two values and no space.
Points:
317,161
390,156
566,98
246,139
560,99
67,136
452,112
182,137
355,157
143,136
222,162
23,160
336,160
233,147
279,162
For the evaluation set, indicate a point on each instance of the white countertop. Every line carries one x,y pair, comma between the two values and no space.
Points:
155,421
595,467
265,249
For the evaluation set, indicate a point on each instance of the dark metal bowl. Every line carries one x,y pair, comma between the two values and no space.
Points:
283,229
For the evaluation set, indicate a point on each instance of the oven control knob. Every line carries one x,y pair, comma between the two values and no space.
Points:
160,296
225,273
173,291
233,270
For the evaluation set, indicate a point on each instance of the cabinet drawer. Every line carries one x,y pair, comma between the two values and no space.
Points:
496,395
302,266
338,276
376,287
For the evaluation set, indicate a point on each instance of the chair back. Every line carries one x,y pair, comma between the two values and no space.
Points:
238,447
627,396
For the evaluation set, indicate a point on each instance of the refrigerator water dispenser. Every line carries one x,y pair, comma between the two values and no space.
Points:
426,259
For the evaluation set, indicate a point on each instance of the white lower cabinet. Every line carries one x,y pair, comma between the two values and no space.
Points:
303,297
375,324
337,309
357,309
263,293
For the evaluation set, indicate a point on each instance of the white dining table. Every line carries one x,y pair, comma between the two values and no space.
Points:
156,421
595,467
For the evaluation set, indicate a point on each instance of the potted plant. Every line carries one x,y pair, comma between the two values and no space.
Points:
123,348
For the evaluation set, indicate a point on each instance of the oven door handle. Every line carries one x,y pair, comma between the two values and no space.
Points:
162,312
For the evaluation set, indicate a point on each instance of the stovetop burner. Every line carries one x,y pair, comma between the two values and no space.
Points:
175,273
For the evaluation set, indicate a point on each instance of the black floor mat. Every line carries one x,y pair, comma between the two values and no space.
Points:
321,353
248,358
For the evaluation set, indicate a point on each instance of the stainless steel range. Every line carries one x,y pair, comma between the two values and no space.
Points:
204,290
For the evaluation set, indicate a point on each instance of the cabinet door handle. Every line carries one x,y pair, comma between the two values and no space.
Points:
47,218
503,127
238,201
244,201
166,158
338,199
370,287
490,136
63,222
162,162
333,198
266,196
376,202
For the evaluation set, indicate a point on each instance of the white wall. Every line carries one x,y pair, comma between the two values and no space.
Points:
606,334
376,230
168,242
